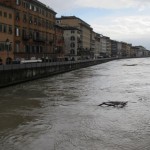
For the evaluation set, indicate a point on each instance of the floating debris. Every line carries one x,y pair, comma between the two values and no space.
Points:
130,65
114,104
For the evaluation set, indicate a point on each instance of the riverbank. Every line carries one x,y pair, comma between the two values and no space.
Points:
19,73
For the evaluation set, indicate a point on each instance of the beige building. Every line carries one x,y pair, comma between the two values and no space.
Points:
105,46
108,47
119,47
96,45
72,39
126,50
86,32
6,34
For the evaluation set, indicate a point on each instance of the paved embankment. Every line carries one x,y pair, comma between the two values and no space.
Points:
18,73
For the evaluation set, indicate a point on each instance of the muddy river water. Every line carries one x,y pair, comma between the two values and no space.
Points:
62,112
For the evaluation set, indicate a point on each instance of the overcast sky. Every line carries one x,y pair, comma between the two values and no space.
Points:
122,20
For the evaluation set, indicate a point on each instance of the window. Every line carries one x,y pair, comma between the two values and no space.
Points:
41,49
24,18
27,49
27,5
39,21
39,10
72,51
46,23
37,49
30,19
23,32
35,21
1,27
35,8
50,25
17,31
17,47
10,16
2,46
43,22
30,33
24,4
43,12
18,2
30,7
10,29
72,45
4,28
17,16
72,38
5,14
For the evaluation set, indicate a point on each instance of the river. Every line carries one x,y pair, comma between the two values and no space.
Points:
62,112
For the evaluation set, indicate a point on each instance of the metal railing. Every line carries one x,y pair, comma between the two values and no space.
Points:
45,64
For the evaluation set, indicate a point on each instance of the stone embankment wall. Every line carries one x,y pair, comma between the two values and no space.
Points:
18,73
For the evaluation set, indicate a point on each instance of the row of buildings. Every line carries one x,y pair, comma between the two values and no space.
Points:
30,30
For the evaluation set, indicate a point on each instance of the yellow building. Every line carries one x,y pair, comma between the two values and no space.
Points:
6,34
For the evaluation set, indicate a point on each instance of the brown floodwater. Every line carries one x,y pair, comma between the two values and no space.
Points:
62,112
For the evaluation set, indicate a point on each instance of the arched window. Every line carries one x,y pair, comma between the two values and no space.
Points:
72,51
72,38
72,45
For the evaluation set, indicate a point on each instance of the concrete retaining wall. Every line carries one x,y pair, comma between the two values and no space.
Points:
18,73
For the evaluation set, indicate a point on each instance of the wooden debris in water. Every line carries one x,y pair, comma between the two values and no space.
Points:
119,104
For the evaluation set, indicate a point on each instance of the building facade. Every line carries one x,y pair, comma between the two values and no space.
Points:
34,29
140,51
59,43
97,45
72,38
119,47
6,34
86,33
93,43
114,48
108,47
105,44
